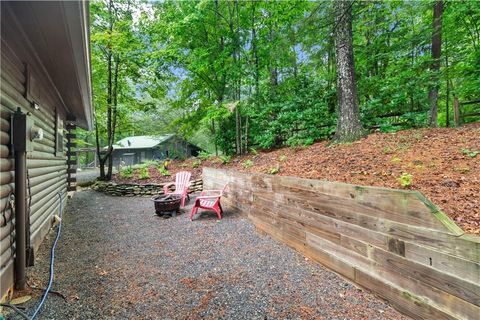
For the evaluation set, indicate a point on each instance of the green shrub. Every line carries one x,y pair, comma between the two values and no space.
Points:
395,159
253,151
225,159
126,173
143,173
274,170
196,163
470,153
247,164
203,155
308,142
405,179
163,171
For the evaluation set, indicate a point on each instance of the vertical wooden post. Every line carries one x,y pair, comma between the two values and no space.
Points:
456,111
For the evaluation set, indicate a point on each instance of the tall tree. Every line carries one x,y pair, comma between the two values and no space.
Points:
349,127
115,46
436,55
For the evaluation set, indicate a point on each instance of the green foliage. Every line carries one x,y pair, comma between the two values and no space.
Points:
225,159
203,155
196,164
163,171
143,173
283,158
274,170
470,153
405,180
247,164
126,173
395,159
211,70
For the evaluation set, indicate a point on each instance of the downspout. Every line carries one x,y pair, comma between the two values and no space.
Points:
19,130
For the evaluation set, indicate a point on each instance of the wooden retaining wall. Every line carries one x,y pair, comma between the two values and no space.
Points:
393,242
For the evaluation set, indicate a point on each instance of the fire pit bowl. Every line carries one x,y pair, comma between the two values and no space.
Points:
167,204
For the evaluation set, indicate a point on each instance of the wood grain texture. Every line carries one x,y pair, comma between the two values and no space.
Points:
394,242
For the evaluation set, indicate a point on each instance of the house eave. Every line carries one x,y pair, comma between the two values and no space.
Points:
57,35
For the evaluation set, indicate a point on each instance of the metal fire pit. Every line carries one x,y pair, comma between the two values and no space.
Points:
167,205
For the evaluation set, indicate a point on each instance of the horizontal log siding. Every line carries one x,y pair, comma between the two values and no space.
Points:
46,172
394,242
6,217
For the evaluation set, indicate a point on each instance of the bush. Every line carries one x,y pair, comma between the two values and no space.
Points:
196,164
274,170
247,164
225,159
405,180
203,155
143,173
126,173
163,171
470,153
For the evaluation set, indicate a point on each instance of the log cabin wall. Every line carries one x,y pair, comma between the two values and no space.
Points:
24,81
393,242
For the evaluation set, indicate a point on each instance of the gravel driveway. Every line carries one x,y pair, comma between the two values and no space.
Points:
116,260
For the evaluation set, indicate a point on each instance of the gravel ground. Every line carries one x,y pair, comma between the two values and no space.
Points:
117,260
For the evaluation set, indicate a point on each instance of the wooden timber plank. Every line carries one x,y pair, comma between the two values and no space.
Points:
339,205
458,246
313,221
455,286
444,262
404,301
277,234
348,256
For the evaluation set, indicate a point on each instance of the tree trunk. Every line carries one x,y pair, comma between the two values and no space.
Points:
447,96
114,117
349,127
436,54
255,53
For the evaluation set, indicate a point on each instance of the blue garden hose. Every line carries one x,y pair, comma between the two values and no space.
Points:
52,257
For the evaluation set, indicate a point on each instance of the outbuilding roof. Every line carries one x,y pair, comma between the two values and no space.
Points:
141,142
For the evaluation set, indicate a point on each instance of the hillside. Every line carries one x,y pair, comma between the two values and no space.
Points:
443,164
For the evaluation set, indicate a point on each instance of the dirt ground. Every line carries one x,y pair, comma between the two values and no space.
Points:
443,164
117,260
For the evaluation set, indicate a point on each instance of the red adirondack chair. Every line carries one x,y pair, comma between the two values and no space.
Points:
182,182
209,200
